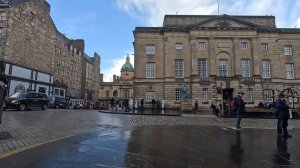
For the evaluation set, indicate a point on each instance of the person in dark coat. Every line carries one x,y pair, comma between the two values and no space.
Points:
126,105
239,109
153,104
112,103
3,89
142,104
282,110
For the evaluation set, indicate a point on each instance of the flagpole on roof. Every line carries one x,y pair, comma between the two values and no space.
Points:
218,7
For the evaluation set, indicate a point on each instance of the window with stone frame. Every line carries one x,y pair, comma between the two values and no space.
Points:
126,94
150,49
244,45
150,70
202,44
223,67
264,46
266,69
177,95
150,96
245,63
1,32
288,50
202,67
250,95
178,46
268,95
205,95
289,68
2,16
179,68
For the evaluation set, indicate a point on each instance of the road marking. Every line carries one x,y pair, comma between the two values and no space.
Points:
4,155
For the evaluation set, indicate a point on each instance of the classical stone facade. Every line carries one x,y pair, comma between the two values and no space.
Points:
215,57
68,65
121,87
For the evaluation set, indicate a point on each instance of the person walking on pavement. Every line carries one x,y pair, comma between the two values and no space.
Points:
196,106
239,109
142,104
112,104
3,89
282,110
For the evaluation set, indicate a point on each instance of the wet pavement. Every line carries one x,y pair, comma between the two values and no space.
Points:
167,146
158,112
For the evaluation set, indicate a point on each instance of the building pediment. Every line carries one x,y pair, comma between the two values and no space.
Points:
224,21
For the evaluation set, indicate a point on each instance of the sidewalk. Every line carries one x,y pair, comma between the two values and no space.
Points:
165,146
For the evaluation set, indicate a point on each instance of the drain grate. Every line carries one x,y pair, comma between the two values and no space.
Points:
5,135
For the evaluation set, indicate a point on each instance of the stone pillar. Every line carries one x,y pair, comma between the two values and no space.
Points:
212,57
255,63
235,60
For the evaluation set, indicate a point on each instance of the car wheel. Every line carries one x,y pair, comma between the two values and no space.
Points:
44,107
22,107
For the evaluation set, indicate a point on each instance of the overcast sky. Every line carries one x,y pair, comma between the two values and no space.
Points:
107,25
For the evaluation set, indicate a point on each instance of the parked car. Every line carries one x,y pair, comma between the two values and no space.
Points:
26,100
58,102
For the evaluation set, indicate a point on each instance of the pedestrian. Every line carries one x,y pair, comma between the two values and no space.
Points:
282,112
112,104
196,106
3,89
142,104
239,109
126,105
153,103
213,106
158,104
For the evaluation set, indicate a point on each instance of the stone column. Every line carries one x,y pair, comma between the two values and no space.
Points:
235,60
212,57
255,63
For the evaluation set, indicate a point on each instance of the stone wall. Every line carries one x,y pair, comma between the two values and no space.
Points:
31,34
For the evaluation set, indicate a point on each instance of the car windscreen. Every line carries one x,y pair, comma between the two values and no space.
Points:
19,95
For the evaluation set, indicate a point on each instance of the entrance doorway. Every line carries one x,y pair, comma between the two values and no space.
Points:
227,97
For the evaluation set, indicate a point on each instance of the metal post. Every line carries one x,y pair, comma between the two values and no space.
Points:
222,101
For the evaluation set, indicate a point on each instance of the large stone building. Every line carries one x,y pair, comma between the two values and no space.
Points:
121,87
216,56
68,66
27,44
90,80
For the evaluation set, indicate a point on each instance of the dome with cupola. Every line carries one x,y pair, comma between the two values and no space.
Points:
127,66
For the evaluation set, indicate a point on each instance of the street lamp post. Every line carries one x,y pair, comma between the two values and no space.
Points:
222,100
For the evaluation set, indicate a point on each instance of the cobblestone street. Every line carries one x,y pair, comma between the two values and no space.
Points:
33,128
